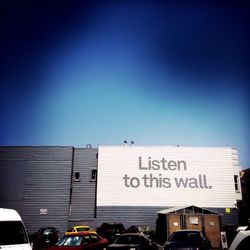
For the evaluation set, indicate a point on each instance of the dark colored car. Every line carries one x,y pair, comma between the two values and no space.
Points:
81,241
111,231
133,241
241,241
145,229
46,236
187,239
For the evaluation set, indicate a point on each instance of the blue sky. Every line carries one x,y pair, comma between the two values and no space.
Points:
155,72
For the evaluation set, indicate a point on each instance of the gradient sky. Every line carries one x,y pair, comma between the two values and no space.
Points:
155,72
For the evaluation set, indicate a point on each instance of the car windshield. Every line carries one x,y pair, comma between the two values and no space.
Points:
185,236
129,239
144,229
49,230
70,241
12,232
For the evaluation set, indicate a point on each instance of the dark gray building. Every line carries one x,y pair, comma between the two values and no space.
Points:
49,186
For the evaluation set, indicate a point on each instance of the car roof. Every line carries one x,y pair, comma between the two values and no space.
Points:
47,228
81,233
134,234
7,214
81,227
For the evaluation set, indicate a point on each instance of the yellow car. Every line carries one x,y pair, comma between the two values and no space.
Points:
76,229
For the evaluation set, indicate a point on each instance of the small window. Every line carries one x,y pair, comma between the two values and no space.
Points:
77,176
93,175
236,183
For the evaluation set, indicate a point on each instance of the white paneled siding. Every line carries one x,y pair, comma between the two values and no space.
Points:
167,176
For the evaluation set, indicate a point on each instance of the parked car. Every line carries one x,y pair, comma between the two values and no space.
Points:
187,239
46,236
85,240
145,229
241,241
135,241
242,228
111,231
76,229
13,234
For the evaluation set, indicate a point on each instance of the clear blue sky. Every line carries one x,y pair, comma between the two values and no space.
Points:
155,72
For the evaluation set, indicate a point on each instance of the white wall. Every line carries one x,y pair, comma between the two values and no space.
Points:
166,176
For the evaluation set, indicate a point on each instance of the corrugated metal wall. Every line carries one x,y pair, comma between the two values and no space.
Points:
47,188
128,215
83,189
41,177
13,163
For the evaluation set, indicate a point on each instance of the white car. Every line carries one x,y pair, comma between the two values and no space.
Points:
13,234
242,228
241,241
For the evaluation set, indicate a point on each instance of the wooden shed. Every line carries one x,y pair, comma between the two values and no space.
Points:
191,217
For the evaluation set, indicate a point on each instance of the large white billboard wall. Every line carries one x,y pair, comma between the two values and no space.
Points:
166,176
